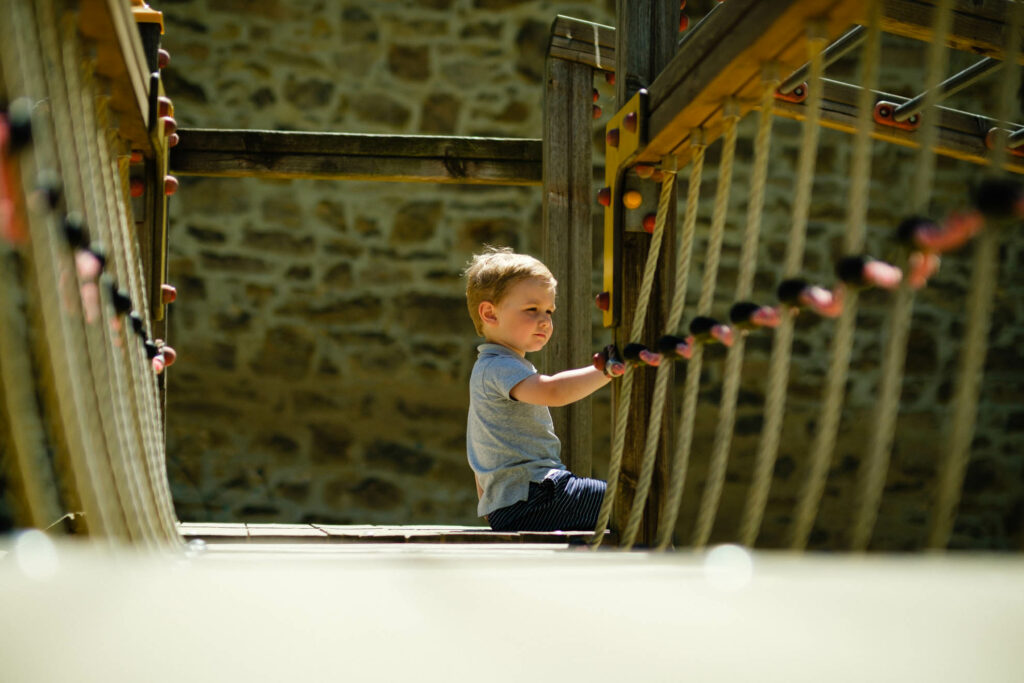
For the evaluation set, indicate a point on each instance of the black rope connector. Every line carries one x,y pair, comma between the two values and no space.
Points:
99,252
860,272
850,270
910,227
672,347
137,324
638,354
74,230
19,118
50,188
999,198
152,350
741,314
789,291
747,315
122,302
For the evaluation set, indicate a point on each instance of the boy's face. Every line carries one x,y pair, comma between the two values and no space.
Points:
522,321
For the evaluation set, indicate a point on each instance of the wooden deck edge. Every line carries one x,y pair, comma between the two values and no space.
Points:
351,534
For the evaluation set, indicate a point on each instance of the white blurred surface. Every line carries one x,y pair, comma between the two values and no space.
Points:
483,613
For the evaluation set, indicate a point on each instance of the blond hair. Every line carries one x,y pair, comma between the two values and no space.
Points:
490,274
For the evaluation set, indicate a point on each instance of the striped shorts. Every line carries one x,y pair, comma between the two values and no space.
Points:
562,502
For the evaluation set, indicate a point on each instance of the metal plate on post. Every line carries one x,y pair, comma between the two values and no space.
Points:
630,126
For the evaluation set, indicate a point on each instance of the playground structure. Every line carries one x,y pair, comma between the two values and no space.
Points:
85,154
92,428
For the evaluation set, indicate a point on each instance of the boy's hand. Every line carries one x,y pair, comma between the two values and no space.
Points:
608,361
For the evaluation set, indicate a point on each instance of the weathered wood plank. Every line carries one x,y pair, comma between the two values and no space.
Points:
584,42
645,44
979,26
398,158
724,57
375,534
961,135
567,234
121,60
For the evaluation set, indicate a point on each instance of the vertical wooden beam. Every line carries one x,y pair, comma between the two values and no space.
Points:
568,237
646,35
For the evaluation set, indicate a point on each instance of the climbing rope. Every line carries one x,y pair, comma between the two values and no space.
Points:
875,463
778,375
716,467
744,285
684,438
683,254
626,384
979,306
824,443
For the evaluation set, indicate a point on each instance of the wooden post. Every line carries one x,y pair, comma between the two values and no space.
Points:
567,238
645,41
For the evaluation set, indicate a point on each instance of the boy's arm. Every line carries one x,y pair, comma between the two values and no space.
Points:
560,389
479,489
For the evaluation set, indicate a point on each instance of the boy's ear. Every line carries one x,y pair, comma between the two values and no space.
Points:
486,309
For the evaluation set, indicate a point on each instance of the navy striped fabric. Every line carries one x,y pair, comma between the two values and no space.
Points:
562,502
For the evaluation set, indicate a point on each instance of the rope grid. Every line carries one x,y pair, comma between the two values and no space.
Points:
875,463
823,446
626,385
683,257
775,399
984,272
744,285
94,381
680,459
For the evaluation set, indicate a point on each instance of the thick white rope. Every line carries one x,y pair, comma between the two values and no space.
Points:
744,285
683,258
778,376
653,436
626,384
824,443
684,438
875,464
719,460
984,273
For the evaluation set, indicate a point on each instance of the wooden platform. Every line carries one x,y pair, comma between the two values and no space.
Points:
369,533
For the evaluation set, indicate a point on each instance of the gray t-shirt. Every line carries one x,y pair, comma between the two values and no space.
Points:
509,443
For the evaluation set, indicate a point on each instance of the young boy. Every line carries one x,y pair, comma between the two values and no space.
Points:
510,439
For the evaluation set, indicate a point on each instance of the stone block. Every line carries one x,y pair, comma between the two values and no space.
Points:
331,443
287,351
308,93
439,114
357,26
359,309
398,458
331,214
278,241
233,263
380,110
206,235
416,222
409,62
433,314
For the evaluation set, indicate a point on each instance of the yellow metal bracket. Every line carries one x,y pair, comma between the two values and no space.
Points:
625,137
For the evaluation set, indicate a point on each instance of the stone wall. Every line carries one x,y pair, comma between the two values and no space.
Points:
322,331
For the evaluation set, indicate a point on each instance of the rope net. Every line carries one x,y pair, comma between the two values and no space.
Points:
85,420
840,309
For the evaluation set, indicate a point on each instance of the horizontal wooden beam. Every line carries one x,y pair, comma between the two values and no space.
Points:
960,135
341,156
723,57
121,60
978,27
584,42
